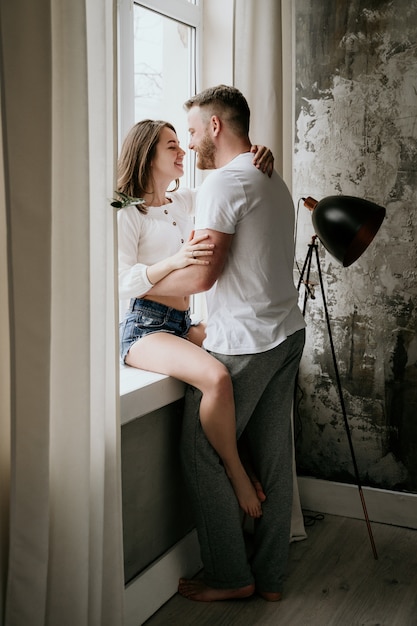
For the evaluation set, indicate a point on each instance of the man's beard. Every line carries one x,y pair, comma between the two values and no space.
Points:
206,154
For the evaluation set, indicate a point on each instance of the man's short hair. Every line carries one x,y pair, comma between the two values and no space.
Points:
228,103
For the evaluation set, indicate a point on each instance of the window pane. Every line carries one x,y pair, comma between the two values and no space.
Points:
163,69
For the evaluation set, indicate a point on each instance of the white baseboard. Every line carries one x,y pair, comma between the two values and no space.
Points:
387,507
159,582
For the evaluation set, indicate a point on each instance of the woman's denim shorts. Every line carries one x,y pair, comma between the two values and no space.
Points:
145,317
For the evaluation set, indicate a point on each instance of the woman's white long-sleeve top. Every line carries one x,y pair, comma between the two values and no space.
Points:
145,239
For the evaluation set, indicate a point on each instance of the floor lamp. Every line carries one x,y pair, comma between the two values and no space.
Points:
345,225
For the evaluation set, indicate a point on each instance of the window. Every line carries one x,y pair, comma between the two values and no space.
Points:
158,68
159,42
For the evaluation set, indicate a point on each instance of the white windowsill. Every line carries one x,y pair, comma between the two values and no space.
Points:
142,392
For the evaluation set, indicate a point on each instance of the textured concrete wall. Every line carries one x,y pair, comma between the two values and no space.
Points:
356,134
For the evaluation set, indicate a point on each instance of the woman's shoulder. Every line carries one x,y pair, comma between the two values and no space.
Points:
130,217
184,198
130,213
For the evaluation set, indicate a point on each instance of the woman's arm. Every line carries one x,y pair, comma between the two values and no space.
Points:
263,159
193,252
132,277
196,279
135,278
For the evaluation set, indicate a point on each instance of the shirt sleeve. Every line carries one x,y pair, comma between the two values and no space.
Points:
133,280
220,200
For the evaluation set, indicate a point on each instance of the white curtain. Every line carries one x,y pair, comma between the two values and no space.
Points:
263,72
60,526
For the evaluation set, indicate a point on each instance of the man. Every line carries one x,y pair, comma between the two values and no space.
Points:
256,329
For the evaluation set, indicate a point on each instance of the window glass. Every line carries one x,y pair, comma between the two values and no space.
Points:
163,71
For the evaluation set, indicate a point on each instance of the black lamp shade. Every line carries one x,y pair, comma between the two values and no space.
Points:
345,225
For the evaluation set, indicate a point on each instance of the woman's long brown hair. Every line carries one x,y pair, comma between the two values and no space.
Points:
134,169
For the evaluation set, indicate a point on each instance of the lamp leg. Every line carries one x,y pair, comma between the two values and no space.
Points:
307,292
342,404
307,266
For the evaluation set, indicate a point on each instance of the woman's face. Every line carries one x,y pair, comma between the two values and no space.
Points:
167,162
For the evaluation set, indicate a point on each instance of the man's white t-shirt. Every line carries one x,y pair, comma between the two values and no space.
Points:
253,306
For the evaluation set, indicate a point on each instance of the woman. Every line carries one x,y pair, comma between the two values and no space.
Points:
155,238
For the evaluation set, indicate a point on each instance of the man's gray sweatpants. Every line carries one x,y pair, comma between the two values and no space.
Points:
264,388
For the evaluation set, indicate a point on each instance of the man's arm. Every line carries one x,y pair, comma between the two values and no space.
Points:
196,278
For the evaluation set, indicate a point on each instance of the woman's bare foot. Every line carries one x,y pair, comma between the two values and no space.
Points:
270,596
198,590
247,464
246,493
258,487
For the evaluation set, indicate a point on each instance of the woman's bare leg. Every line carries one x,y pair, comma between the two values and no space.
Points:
197,335
244,453
182,359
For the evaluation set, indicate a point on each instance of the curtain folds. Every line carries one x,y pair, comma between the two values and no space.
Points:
4,388
60,526
262,71
258,69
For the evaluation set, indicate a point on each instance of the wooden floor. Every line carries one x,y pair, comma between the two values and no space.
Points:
333,580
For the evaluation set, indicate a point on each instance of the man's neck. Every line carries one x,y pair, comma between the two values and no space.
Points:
230,150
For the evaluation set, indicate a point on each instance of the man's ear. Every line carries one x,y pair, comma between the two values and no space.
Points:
215,124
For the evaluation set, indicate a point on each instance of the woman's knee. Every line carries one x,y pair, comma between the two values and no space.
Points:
218,379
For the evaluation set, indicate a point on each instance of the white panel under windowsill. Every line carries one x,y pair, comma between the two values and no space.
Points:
142,392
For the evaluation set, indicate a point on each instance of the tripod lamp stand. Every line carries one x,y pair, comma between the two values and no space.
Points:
345,225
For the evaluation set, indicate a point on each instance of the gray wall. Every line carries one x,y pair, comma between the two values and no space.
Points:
156,511
356,134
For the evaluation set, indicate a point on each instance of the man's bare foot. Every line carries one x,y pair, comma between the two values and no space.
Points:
199,591
271,596
246,494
